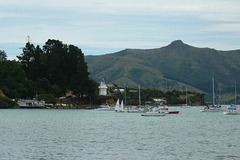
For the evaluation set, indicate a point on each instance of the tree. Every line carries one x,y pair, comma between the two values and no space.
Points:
27,56
37,68
12,79
73,58
56,90
80,81
3,56
48,98
55,51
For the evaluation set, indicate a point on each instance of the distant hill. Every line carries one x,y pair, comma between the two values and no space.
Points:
171,67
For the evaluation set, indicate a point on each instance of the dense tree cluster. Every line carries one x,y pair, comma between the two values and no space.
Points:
51,70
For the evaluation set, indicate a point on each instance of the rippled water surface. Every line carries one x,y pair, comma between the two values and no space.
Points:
44,134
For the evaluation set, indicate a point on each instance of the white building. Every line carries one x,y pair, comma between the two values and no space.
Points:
102,88
159,101
28,103
119,90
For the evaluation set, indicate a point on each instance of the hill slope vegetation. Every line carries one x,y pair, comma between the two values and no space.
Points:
175,66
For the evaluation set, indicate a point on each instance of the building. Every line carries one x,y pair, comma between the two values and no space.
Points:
102,88
119,90
31,103
159,101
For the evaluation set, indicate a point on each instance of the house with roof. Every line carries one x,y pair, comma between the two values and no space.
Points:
31,103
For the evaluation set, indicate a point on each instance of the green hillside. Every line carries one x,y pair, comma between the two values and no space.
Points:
174,66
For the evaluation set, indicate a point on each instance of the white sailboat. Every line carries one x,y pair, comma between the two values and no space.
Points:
119,108
186,105
213,107
233,109
136,109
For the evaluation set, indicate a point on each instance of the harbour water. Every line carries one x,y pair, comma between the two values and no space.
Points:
44,134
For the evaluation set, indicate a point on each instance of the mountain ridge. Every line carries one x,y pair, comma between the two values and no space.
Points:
177,65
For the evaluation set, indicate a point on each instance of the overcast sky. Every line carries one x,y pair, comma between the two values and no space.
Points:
107,26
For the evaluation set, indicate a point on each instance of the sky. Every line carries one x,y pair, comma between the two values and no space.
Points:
108,26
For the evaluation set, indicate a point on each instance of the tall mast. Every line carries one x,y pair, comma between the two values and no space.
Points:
213,92
186,96
125,96
235,93
139,95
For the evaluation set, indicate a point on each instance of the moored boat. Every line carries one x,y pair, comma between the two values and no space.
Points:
153,114
213,107
135,109
232,111
173,112
153,111
105,108
165,110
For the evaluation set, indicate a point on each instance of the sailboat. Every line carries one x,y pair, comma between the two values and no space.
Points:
233,109
119,108
186,105
136,109
213,107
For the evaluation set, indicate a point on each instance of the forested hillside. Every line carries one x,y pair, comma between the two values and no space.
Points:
175,66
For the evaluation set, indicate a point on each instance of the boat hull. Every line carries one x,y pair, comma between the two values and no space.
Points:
211,110
134,111
231,113
165,110
120,111
105,109
173,112
153,114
